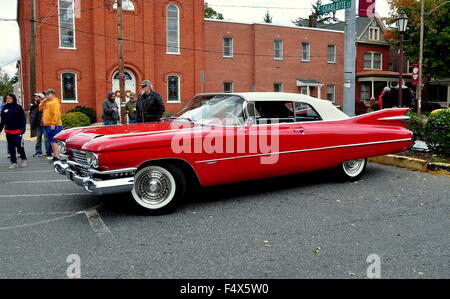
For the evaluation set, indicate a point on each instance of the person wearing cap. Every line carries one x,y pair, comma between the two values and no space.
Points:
130,109
51,118
149,106
13,120
36,125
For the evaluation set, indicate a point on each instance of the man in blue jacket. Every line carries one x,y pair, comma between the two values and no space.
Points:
13,120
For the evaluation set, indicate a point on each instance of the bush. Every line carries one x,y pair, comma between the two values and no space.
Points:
89,112
375,107
75,119
437,132
416,125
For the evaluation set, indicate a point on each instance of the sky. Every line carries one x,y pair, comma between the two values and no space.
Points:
282,12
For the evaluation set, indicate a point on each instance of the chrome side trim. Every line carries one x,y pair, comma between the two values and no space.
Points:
394,118
93,171
305,150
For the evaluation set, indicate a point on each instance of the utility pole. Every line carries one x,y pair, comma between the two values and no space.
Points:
349,59
121,62
32,74
419,86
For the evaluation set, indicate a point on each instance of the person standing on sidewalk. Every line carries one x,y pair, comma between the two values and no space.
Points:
130,108
36,124
51,118
110,113
13,120
149,106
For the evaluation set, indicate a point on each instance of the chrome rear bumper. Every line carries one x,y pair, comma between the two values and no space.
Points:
92,185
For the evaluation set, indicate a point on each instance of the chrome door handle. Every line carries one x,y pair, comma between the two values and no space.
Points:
302,131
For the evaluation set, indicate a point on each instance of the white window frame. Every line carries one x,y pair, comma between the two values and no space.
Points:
74,47
275,49
231,47
232,87
62,88
126,5
334,54
309,52
372,61
334,93
306,89
281,86
374,31
179,89
167,30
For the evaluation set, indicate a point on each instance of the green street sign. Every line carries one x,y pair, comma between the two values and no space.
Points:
341,4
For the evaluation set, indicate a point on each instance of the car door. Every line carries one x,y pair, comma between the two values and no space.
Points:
273,146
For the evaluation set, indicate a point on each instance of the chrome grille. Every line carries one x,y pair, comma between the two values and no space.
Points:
81,158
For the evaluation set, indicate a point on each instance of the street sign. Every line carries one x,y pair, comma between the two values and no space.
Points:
415,73
338,5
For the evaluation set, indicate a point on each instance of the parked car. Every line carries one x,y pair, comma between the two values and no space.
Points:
226,138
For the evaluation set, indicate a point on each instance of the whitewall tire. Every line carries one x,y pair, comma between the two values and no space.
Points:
352,170
158,188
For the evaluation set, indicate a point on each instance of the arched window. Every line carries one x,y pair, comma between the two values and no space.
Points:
69,87
126,5
173,89
173,29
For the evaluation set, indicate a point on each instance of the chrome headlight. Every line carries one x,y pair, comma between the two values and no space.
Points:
62,147
92,159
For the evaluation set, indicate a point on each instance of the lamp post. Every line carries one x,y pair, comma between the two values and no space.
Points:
402,22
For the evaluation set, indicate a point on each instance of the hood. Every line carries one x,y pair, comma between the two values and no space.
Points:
107,137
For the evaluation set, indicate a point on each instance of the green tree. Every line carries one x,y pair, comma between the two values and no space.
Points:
6,84
324,18
268,18
436,60
210,13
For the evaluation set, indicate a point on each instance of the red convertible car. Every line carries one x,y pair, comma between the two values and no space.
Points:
226,138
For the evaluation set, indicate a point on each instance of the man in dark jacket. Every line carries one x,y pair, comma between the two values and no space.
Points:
150,106
37,126
13,120
110,110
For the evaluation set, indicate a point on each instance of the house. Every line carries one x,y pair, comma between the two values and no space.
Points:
374,67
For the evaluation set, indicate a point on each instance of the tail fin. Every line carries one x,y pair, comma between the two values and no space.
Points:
393,117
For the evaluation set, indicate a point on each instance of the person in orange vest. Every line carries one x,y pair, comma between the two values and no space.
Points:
51,118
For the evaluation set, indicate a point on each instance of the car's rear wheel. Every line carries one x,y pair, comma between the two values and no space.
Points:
352,170
159,188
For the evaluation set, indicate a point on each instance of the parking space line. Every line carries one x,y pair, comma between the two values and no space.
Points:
37,195
46,181
97,224
29,171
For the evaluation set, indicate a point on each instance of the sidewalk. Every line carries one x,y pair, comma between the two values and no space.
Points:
26,137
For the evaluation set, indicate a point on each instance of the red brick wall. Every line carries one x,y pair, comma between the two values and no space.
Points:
258,68
362,48
95,58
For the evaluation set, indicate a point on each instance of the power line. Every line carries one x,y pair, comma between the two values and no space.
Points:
181,48
10,62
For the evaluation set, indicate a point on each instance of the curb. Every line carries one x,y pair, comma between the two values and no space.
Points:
413,164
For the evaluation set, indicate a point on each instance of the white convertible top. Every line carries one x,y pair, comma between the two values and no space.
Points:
325,108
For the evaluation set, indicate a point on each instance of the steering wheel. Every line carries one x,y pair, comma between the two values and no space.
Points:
238,121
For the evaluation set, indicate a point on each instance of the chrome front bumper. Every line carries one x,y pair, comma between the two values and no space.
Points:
93,185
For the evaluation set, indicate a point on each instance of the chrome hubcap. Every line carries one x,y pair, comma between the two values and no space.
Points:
153,187
353,167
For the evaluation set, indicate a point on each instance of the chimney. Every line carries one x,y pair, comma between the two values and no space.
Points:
313,21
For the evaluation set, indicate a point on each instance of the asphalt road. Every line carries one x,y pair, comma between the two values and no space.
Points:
303,226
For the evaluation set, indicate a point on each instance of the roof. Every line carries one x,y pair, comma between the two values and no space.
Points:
308,82
361,24
325,108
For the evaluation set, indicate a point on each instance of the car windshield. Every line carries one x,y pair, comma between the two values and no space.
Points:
224,110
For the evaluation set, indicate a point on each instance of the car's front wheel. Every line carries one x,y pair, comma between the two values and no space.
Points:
352,170
159,188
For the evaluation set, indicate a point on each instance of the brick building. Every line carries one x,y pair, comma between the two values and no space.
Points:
170,43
